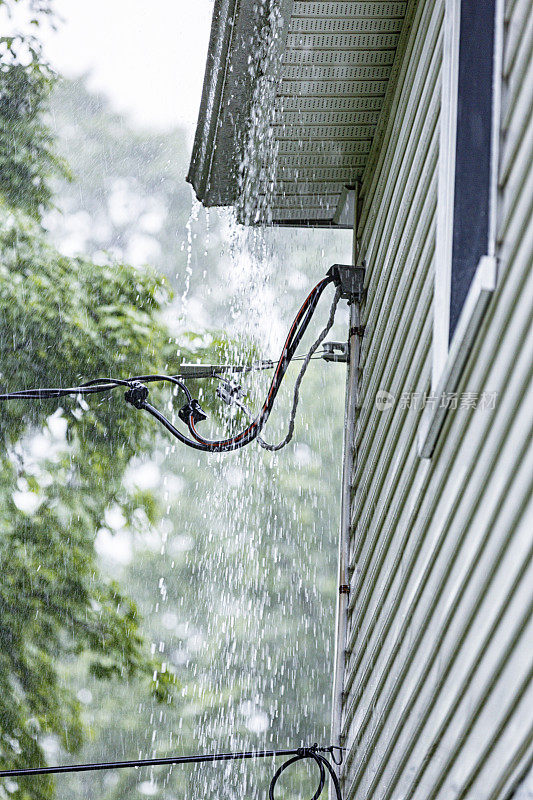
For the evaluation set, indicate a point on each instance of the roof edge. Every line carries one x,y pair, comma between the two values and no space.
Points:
238,44
222,27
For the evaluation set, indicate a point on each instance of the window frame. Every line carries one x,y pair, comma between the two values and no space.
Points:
449,357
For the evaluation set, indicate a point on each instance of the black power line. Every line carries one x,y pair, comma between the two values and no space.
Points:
191,413
314,752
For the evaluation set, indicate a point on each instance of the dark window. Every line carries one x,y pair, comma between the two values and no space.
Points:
473,148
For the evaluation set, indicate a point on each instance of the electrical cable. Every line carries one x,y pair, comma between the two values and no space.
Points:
303,368
314,752
237,441
191,413
195,371
294,337
296,395
97,385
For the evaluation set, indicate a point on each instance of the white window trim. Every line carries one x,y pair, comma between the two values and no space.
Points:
445,194
478,297
449,359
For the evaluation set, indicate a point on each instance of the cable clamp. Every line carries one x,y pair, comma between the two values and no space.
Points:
229,392
193,409
344,588
136,394
357,331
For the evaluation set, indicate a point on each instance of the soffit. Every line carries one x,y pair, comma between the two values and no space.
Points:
332,60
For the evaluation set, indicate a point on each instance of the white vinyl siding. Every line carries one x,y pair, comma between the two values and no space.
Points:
438,690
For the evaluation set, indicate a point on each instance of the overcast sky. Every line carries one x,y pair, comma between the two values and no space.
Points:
148,56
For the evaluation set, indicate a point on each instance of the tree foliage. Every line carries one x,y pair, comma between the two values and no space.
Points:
62,320
233,558
28,157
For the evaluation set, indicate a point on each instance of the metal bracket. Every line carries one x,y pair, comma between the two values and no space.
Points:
229,392
358,330
335,351
201,370
350,279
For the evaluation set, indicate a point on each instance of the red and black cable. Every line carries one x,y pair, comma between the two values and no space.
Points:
294,337
191,413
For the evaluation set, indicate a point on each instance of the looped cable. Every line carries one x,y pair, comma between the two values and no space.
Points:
322,763
253,430
314,347
137,392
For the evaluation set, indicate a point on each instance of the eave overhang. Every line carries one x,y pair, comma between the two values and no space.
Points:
328,68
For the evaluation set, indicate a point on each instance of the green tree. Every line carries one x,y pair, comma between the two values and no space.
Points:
233,567
28,158
62,320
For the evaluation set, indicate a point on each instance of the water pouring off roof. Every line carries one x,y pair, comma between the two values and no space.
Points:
316,74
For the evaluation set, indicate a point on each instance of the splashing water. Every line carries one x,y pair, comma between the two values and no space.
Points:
193,217
236,580
247,614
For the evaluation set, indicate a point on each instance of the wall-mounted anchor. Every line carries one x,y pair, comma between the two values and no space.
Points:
335,351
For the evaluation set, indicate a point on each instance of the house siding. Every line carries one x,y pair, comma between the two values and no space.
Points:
437,685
